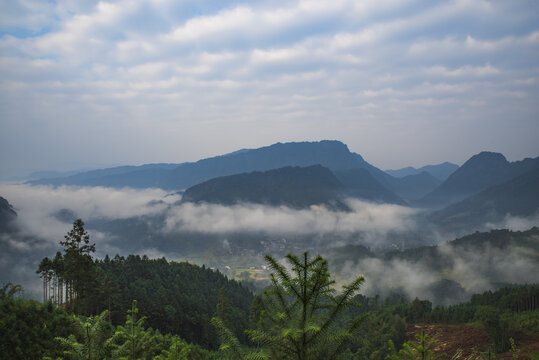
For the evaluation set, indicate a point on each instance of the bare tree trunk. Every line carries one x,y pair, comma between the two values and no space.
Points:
44,289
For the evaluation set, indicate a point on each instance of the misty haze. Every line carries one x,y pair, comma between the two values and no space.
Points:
269,180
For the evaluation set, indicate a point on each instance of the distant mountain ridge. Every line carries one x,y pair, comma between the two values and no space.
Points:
439,171
516,197
481,171
329,153
363,180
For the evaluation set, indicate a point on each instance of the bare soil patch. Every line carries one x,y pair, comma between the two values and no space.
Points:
470,339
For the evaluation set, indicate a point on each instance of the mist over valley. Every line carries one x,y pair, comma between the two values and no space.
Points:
294,197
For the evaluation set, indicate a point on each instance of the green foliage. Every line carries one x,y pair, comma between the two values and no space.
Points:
77,240
497,328
302,310
517,299
177,298
72,272
515,352
378,330
90,340
224,309
132,338
299,320
178,350
28,328
231,348
255,312
422,349
527,321
419,309
9,291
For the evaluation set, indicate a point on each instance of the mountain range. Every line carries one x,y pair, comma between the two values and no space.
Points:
439,171
516,197
283,173
331,154
480,172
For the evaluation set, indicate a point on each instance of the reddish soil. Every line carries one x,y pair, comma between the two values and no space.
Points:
470,340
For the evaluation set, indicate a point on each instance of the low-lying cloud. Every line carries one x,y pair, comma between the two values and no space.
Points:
169,222
37,206
214,218
515,222
471,269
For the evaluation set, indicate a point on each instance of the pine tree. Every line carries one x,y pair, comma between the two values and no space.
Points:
179,350
90,341
255,312
78,266
224,310
132,337
301,313
422,349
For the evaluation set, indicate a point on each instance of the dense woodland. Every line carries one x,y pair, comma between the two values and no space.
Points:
139,308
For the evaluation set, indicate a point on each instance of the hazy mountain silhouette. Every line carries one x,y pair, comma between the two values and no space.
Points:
412,187
293,186
439,171
516,197
331,154
7,215
143,176
359,183
478,173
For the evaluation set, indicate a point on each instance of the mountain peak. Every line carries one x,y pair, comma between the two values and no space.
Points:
487,156
478,173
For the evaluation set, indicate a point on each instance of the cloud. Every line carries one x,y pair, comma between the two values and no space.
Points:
37,206
516,223
215,219
118,215
196,79
474,270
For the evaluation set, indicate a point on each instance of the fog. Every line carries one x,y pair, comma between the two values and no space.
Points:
114,218
364,217
471,271
515,223
38,208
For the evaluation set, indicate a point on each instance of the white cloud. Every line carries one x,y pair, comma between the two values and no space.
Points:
214,219
467,70
37,205
193,80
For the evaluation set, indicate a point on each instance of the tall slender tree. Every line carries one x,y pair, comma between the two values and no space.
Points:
71,273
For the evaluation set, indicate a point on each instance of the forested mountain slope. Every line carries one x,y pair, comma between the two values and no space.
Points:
293,186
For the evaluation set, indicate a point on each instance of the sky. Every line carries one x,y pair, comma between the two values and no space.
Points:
86,84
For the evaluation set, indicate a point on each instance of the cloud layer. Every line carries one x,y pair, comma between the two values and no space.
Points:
364,217
192,79
152,222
